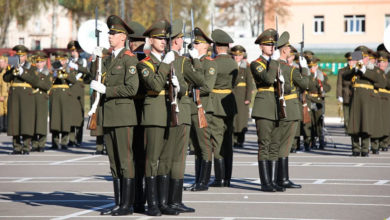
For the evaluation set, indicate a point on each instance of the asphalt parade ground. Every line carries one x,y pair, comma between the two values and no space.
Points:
76,184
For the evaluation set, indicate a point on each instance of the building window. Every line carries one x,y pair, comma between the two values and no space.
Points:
387,20
21,40
354,23
319,25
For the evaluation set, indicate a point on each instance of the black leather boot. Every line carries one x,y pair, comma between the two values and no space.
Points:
198,162
127,200
219,171
204,177
139,203
264,177
283,176
151,195
228,170
273,172
163,190
176,196
117,196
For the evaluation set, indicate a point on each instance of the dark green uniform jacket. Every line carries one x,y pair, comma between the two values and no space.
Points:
42,101
117,102
21,102
77,91
344,87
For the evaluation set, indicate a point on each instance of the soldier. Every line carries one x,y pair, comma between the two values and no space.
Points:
243,94
21,104
41,102
201,137
288,126
137,42
155,118
60,99
383,63
4,87
225,108
119,85
361,124
80,65
265,110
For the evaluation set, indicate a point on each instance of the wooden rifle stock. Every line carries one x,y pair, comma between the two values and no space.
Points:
201,113
172,99
306,114
281,102
92,120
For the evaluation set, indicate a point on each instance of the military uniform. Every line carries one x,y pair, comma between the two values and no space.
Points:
225,108
361,122
4,88
80,65
41,97
201,137
265,111
344,89
243,94
384,141
59,100
21,103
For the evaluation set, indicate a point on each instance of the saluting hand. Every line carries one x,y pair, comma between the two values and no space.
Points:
98,87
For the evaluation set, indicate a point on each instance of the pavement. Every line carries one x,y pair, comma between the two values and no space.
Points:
76,184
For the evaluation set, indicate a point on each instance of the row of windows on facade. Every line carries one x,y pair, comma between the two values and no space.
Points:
352,23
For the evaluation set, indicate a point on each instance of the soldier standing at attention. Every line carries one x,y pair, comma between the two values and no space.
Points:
361,123
265,109
41,96
344,88
21,104
225,109
80,65
243,94
4,87
201,137
119,84
383,63
136,43
60,99
156,119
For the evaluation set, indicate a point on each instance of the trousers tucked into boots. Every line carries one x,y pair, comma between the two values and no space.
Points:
127,198
151,196
176,196
219,171
117,197
273,173
203,177
283,176
163,190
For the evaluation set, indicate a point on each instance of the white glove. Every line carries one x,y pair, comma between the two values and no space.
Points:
73,65
175,82
79,75
302,62
275,55
194,53
20,69
169,57
98,52
340,99
98,87
363,69
281,78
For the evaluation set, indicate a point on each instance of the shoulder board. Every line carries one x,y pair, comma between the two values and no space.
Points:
209,58
129,53
146,61
261,62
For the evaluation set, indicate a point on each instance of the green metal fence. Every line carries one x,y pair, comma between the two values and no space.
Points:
332,68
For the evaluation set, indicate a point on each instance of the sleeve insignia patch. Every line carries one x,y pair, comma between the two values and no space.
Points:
259,68
145,72
132,70
211,71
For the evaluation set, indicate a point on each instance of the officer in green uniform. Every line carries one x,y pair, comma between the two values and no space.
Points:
225,109
265,109
189,72
119,85
201,137
60,98
80,65
21,104
136,43
41,96
243,94
156,119
288,126
361,122
383,63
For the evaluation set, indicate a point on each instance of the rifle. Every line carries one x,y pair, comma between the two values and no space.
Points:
172,93
92,121
195,91
214,54
306,114
279,85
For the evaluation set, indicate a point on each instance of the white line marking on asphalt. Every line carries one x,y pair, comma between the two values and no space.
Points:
169,217
381,182
320,181
21,180
76,159
359,165
81,179
228,218
306,164
76,214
